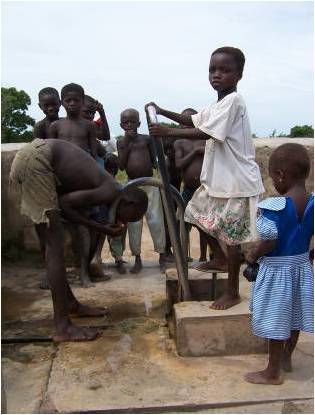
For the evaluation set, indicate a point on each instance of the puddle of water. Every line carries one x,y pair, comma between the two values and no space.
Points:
118,353
147,305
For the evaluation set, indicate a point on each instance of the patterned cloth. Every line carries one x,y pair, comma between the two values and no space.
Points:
33,177
229,220
283,293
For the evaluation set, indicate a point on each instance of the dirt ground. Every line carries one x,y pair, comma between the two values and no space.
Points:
134,365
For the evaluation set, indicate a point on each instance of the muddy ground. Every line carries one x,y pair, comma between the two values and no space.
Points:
134,365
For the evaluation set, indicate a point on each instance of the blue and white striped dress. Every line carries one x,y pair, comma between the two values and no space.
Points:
283,293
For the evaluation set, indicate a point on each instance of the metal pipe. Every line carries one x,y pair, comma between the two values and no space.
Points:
180,256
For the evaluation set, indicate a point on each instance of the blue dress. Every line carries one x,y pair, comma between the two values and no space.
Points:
283,293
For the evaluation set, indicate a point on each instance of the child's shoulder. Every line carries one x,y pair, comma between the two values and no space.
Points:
275,204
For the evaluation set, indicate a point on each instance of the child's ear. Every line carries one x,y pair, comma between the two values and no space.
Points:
139,123
40,106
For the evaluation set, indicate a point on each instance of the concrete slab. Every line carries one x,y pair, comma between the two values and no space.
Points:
139,371
202,331
26,369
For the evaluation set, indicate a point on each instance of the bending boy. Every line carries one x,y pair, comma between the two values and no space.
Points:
55,179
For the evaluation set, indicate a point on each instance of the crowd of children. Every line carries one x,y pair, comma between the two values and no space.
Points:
211,158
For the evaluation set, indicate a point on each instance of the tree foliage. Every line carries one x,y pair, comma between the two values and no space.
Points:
302,131
15,122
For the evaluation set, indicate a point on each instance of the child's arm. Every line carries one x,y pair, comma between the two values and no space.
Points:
102,132
92,141
260,250
188,133
53,130
180,118
123,152
38,131
182,161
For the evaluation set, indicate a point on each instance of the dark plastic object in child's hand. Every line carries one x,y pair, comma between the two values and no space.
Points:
251,271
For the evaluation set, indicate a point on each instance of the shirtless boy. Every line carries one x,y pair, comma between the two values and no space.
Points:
77,130
49,103
57,178
74,128
135,156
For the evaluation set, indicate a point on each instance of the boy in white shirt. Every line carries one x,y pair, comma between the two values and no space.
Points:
224,206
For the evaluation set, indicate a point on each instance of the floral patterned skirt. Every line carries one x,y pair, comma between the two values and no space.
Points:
233,221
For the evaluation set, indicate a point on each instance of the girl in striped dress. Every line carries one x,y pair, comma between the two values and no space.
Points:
283,293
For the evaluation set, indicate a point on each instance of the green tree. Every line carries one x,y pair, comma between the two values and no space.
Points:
15,122
302,131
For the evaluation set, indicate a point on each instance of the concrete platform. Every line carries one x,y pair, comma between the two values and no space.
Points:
204,286
202,331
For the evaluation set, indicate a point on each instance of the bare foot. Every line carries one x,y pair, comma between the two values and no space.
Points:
287,364
212,265
82,310
85,281
96,271
73,333
225,302
137,267
120,267
263,377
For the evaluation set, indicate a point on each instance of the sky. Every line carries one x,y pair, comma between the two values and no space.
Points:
126,54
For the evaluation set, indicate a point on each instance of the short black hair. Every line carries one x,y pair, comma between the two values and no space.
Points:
132,110
237,54
48,91
72,88
135,199
292,158
111,162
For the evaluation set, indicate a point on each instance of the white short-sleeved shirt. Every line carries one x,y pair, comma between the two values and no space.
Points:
229,168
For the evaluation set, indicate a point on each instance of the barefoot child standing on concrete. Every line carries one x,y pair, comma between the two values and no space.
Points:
283,293
224,206
57,179
136,158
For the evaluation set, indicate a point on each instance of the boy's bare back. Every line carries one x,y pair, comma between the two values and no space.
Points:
189,158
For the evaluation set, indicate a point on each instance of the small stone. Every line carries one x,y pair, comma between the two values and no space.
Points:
94,384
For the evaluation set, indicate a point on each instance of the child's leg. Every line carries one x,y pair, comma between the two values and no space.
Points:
85,245
96,267
219,260
203,244
44,279
54,258
272,374
155,220
231,295
117,247
135,233
289,347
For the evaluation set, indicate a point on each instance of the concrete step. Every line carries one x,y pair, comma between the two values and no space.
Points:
202,331
204,286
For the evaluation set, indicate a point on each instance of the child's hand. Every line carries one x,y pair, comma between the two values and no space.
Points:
250,257
153,104
113,230
99,107
158,130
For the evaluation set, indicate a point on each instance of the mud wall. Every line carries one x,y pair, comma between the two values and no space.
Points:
18,228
